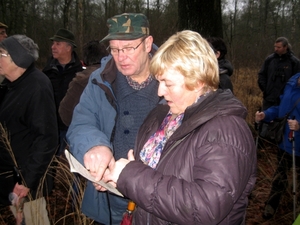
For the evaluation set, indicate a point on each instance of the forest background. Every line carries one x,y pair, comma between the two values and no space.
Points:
249,28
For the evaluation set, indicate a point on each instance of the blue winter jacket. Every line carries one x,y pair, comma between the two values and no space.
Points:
88,112
287,100
92,125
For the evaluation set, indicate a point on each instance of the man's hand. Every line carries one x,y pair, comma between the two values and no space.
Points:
97,160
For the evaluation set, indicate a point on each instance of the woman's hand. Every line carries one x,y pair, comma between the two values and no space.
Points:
113,172
20,190
293,125
259,116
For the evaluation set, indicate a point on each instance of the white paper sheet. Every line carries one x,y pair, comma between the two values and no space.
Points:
76,167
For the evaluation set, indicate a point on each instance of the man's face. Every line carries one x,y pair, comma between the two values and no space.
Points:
137,62
279,48
3,33
61,50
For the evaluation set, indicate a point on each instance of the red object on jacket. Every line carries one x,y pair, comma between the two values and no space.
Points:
127,218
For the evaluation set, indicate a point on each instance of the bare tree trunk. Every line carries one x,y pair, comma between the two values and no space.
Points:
106,9
124,6
197,15
66,12
148,8
80,23
25,16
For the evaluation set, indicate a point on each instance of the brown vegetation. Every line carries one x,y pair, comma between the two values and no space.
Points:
246,89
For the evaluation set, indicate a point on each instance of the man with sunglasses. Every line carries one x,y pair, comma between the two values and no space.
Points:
118,97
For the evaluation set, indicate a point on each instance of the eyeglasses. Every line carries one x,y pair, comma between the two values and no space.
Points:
126,50
3,54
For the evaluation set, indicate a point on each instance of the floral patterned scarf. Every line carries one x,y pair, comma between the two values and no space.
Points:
153,148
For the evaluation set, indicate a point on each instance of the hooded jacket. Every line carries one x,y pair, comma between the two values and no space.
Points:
289,97
225,71
206,170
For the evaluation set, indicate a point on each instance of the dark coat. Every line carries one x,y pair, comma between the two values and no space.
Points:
60,80
274,74
27,112
73,94
206,170
225,71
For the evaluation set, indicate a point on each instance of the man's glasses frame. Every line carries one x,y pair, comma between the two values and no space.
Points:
126,50
3,54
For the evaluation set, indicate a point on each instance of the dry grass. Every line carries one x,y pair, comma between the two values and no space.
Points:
62,209
63,203
247,91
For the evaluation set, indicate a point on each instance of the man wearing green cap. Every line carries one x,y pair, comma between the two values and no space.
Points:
118,97
61,68
3,33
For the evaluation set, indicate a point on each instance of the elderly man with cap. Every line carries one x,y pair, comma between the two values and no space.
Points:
115,102
61,68
27,113
3,33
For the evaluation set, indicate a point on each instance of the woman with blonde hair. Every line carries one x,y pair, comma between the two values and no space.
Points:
195,160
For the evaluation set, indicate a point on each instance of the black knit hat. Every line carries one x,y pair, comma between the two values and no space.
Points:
19,54
64,35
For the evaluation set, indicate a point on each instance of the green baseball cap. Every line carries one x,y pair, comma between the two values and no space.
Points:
127,26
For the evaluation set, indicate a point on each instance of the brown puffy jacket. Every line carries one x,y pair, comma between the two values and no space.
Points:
73,94
206,171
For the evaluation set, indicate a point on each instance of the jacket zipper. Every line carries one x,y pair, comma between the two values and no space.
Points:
172,147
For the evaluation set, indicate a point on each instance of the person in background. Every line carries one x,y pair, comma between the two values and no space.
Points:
115,102
27,113
225,67
276,70
93,52
195,158
288,99
3,31
3,35
61,68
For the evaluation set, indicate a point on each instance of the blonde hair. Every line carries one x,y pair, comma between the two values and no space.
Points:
191,55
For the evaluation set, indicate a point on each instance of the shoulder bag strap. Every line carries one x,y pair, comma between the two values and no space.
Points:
293,107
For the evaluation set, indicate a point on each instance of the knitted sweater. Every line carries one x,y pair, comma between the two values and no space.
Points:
130,117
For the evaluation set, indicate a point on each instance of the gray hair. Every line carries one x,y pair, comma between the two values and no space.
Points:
285,42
